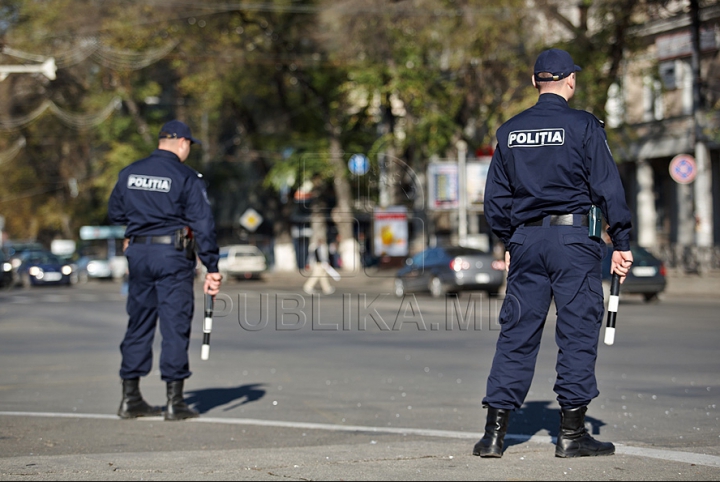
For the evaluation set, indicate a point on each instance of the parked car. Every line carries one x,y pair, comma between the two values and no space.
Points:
43,268
452,269
242,261
647,277
6,274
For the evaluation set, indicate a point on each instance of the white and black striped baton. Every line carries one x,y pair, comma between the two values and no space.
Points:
207,327
612,309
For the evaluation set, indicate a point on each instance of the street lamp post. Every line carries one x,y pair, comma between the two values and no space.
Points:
47,68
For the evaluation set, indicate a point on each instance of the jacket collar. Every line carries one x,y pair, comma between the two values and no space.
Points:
165,154
549,98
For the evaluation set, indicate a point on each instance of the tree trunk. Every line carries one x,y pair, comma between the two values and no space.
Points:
343,215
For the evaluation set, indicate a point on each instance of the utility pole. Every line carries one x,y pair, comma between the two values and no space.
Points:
703,180
462,191
47,68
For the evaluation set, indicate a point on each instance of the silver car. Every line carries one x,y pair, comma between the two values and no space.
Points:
451,269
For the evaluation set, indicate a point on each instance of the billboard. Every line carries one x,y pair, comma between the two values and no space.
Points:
391,231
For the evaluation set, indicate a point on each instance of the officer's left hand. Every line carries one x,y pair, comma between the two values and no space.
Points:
621,263
213,281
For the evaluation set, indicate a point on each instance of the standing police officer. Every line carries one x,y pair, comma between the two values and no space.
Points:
158,198
551,164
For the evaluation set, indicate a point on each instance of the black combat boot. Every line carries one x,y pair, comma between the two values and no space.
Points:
133,405
491,445
574,439
177,409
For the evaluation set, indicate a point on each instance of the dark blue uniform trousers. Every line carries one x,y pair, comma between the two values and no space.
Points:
160,286
547,262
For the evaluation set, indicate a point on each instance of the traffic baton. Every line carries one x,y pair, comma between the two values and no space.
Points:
207,327
612,309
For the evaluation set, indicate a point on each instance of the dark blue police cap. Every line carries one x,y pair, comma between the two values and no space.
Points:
176,129
556,62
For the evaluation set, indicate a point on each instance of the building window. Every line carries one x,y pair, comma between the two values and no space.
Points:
652,100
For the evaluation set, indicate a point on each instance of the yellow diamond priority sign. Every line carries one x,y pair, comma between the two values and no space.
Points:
251,219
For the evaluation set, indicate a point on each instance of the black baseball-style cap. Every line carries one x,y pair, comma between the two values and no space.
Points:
556,62
176,129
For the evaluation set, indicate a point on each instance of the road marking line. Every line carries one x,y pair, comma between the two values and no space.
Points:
675,456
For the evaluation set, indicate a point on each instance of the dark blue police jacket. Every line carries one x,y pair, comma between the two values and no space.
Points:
551,159
158,195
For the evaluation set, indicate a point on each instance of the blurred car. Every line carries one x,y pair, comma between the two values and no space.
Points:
647,277
6,271
14,252
43,268
92,267
451,269
242,261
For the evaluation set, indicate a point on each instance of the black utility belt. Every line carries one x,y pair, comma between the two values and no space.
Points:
560,220
592,220
153,239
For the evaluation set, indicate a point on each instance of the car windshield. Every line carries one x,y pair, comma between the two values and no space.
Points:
642,255
460,251
44,258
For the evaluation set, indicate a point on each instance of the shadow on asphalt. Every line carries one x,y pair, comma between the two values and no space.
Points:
208,398
537,418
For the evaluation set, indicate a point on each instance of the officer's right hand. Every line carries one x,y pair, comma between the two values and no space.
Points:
213,281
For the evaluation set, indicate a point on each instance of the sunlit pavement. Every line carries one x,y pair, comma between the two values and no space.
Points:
334,405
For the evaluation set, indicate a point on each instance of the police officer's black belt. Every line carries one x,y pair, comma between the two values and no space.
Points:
559,220
152,239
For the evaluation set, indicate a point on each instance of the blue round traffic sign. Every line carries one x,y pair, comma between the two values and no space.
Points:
359,164
683,169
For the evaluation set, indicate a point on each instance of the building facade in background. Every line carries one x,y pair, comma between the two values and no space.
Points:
664,123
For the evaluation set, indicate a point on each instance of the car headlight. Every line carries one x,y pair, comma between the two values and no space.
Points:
36,272
7,267
66,270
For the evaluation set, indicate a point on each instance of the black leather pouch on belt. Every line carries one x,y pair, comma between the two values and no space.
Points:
190,248
179,239
595,223
184,241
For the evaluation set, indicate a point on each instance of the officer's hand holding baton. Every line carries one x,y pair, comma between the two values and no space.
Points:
620,266
211,288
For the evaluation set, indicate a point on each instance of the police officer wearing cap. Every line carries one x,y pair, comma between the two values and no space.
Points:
551,165
158,198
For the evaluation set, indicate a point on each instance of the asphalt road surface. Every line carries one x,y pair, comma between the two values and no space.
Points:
358,385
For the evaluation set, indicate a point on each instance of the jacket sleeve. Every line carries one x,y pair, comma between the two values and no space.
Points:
606,188
498,199
116,207
202,223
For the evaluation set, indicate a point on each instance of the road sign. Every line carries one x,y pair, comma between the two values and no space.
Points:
102,232
683,169
359,164
251,219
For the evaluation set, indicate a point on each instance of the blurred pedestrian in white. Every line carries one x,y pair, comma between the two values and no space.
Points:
321,270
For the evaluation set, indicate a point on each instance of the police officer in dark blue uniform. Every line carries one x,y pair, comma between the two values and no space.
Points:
551,165
158,198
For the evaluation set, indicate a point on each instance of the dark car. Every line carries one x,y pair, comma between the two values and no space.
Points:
43,268
647,277
451,269
6,273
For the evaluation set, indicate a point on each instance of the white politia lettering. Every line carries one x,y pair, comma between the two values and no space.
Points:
537,138
149,183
